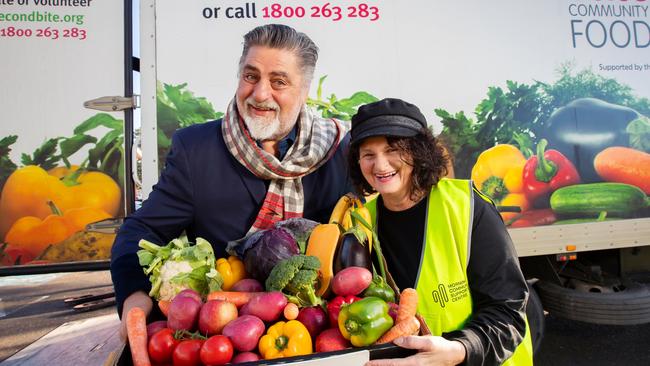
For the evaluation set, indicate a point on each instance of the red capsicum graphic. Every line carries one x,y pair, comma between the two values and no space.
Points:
546,172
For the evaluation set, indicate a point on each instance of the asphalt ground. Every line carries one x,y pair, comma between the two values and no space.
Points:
32,306
573,343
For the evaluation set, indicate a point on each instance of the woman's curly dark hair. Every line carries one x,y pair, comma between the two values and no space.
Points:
429,162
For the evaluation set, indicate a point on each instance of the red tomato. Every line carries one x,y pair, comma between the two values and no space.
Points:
187,353
161,345
217,350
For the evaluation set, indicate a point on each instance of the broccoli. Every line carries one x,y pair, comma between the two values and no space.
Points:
297,278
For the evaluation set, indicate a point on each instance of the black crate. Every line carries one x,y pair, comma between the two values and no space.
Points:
379,351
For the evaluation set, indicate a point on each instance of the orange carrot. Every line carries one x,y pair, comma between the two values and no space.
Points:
408,304
406,327
136,330
237,298
164,306
624,165
291,311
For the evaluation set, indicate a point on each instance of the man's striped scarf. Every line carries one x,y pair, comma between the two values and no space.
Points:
317,140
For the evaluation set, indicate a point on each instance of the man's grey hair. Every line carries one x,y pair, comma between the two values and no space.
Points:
281,36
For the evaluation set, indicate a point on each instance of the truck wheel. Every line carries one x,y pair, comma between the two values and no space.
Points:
625,304
536,319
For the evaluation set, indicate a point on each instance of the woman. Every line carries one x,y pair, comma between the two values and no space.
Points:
442,237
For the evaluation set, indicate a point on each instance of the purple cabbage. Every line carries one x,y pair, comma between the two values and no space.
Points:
300,228
272,246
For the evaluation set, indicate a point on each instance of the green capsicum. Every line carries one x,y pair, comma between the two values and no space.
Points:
363,322
379,288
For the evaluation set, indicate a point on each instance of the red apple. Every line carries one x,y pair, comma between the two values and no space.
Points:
215,314
188,292
331,340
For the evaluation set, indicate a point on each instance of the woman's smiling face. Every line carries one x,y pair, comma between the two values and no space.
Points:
387,170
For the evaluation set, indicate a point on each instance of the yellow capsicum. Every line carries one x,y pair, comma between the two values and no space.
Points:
28,189
498,173
231,270
285,339
34,235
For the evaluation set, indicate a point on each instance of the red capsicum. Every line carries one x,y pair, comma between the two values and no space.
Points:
334,307
546,172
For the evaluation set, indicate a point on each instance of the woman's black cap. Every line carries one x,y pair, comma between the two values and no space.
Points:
387,117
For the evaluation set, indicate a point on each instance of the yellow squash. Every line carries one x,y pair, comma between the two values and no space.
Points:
322,244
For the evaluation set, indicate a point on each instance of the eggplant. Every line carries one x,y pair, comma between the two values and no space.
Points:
351,252
586,126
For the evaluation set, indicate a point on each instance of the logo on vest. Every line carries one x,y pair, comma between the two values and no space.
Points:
451,292
440,295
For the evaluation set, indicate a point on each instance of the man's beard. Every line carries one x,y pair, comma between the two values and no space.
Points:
263,129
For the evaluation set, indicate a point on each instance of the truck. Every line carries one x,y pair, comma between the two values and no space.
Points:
545,105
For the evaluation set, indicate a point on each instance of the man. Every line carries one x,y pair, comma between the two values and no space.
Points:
267,160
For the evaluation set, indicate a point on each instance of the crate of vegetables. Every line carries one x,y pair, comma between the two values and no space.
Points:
294,293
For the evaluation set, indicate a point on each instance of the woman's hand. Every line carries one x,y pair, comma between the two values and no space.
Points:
432,350
136,299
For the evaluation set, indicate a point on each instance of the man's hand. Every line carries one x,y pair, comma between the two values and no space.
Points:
432,350
137,299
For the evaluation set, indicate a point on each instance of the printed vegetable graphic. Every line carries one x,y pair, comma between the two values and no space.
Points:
342,109
29,189
546,172
232,270
539,217
285,339
616,199
601,217
639,131
523,110
177,107
34,234
363,322
586,126
6,165
498,173
624,165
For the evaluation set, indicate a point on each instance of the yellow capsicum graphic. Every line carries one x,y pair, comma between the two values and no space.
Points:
285,339
498,173
231,270
34,235
28,190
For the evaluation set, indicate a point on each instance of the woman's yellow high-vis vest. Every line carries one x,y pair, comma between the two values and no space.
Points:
445,300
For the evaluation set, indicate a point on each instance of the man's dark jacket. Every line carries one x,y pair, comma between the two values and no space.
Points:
206,192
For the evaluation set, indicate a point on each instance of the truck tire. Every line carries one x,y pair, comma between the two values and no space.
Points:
629,305
536,318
